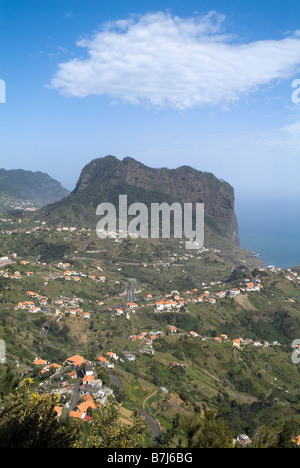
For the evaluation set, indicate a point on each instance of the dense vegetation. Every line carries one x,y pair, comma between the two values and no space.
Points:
29,420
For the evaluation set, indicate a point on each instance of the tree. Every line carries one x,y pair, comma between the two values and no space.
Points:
266,437
8,380
288,433
207,431
29,420
107,432
172,437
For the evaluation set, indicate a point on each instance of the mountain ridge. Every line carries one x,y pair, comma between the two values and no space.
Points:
21,189
103,179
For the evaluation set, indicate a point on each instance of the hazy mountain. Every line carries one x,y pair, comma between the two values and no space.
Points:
28,190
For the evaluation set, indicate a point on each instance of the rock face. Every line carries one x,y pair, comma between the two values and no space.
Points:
184,185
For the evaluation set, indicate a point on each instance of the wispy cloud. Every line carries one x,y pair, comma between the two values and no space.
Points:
162,60
287,137
285,141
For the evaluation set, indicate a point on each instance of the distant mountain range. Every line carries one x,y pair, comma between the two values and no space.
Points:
26,190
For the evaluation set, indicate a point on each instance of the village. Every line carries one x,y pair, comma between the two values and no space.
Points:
76,380
171,302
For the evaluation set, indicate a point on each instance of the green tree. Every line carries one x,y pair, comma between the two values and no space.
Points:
29,420
266,437
289,431
207,431
106,431
8,380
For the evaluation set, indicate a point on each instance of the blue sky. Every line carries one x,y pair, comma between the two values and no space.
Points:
169,83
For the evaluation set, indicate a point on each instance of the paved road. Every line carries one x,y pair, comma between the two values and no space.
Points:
154,428
131,297
76,389
114,380
75,396
44,331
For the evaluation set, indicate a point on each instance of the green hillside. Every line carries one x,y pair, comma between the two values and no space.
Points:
248,385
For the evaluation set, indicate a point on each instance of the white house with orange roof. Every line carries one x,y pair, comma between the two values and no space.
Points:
119,312
193,334
236,342
234,292
105,362
76,360
40,362
221,294
87,379
112,355
34,310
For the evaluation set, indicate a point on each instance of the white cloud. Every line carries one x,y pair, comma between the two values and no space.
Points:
288,137
162,60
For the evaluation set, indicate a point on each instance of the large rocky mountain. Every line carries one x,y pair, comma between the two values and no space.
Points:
104,179
28,190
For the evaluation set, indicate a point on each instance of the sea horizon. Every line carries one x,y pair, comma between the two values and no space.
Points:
271,230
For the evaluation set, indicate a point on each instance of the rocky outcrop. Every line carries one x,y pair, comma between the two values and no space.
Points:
184,185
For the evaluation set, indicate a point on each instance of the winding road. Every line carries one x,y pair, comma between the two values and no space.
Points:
154,428
152,423
131,291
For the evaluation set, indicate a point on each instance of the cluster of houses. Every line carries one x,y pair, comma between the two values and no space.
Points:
46,366
177,302
72,275
38,302
292,275
236,342
35,304
288,273
150,336
43,227
170,302
92,393
71,306
15,275
147,338
5,261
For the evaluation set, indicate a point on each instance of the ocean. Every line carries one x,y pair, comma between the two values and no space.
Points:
270,229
